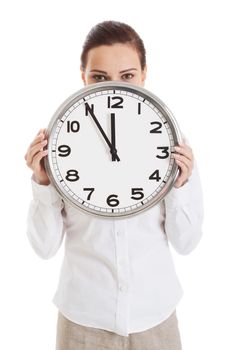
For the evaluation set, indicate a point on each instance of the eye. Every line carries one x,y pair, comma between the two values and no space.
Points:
99,77
127,76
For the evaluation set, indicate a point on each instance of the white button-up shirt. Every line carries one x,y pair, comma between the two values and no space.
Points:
117,274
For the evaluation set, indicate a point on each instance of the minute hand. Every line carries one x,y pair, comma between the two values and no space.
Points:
112,150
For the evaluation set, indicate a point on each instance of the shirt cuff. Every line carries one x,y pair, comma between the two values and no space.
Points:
46,194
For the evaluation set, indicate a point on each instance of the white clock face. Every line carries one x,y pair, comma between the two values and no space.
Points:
110,150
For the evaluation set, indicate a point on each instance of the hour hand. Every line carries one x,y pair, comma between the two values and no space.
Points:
90,111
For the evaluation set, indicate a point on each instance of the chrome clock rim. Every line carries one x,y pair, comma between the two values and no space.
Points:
152,98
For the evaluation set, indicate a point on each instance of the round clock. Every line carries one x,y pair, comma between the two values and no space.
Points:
109,149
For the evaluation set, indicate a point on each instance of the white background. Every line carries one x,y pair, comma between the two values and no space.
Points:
190,67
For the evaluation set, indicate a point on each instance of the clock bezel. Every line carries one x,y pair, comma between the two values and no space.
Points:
96,87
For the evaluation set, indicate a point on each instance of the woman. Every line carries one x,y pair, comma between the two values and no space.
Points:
118,288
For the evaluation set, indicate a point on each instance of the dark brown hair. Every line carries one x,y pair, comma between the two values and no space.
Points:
109,33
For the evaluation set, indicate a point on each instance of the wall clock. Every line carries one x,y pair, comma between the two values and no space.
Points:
109,149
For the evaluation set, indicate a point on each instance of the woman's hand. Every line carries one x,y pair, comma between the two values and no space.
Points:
34,156
185,160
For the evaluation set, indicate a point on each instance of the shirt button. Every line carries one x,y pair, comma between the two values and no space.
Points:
123,288
118,233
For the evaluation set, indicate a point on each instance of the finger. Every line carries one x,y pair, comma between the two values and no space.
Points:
40,132
185,150
44,131
35,149
184,172
37,158
38,138
184,160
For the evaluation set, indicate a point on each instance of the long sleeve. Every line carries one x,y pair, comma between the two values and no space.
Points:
45,226
184,213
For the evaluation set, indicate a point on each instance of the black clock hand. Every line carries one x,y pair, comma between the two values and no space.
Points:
114,150
102,132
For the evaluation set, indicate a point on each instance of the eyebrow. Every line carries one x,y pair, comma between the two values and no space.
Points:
102,71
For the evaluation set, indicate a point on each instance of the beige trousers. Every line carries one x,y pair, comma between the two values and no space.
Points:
72,336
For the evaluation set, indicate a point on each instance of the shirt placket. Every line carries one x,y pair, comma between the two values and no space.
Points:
122,267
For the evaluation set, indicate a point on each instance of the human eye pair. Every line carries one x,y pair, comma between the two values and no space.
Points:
99,77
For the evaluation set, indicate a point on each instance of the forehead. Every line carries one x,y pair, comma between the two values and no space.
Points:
113,57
